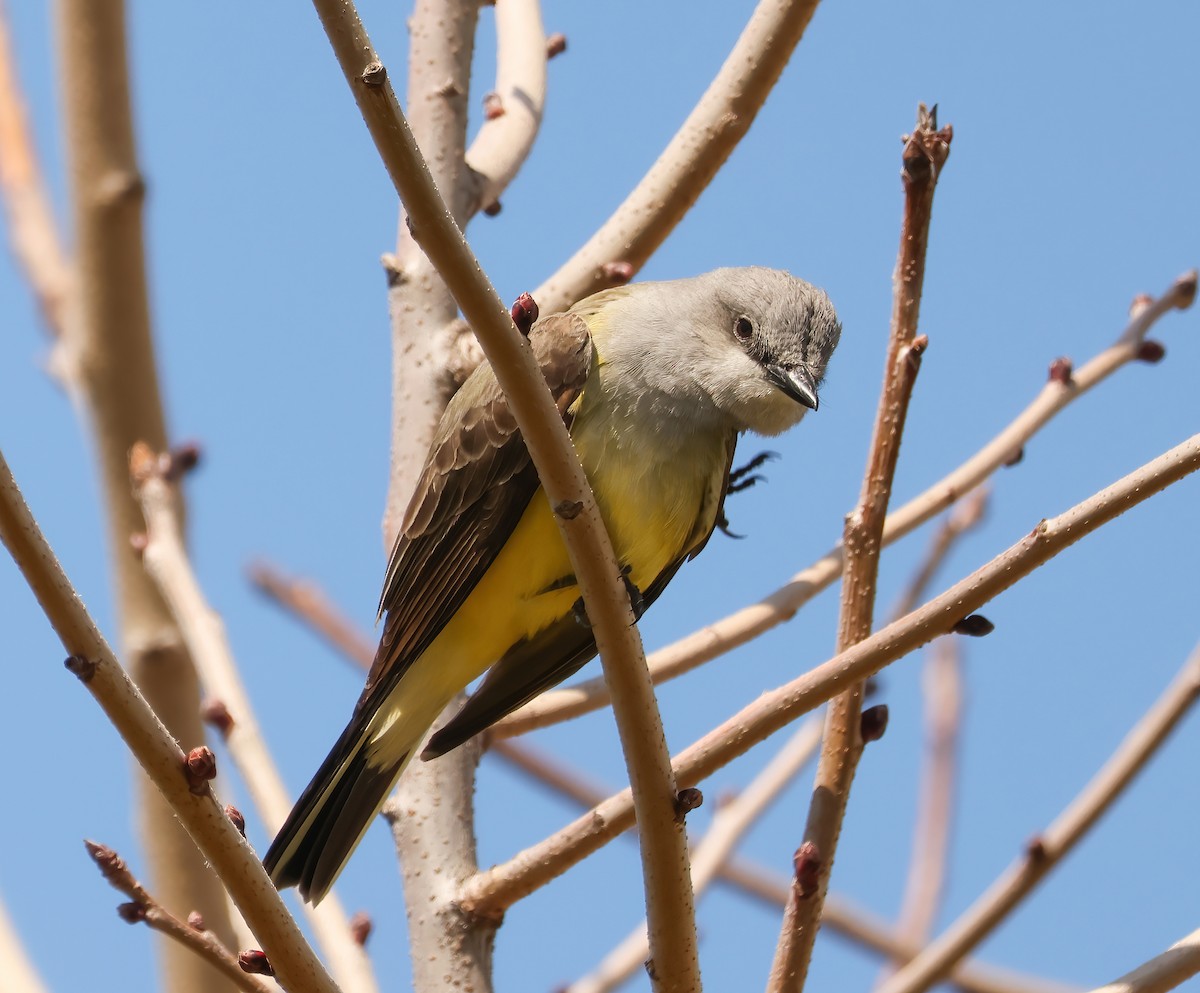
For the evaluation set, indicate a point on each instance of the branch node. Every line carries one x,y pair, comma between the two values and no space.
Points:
687,800
1184,290
139,541
1016,458
131,912
568,510
182,459
216,715
1151,351
374,75
974,626
493,106
616,273
873,722
360,928
235,815
524,313
1035,849
195,920
84,668
491,209
200,768
1061,370
556,44
807,863
119,186
254,961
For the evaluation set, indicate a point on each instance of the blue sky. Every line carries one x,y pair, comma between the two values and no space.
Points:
1071,187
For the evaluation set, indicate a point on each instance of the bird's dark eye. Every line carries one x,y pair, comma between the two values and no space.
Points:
743,329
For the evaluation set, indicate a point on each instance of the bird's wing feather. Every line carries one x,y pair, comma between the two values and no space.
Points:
477,481
538,663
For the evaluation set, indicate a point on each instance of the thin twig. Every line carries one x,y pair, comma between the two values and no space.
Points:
18,971
710,853
167,562
508,882
1046,850
198,940
36,243
925,153
691,159
670,906
156,750
505,139
748,623
1164,972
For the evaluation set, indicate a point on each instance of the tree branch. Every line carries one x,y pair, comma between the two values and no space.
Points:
167,563
504,884
664,845
18,971
1164,972
157,752
925,153
748,623
111,348
691,159
1049,848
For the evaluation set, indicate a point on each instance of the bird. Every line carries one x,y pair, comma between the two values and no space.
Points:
655,382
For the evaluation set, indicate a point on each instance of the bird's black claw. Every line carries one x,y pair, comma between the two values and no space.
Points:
636,603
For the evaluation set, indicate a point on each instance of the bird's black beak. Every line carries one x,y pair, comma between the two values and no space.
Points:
796,383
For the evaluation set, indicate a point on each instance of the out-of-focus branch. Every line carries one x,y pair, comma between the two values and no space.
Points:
191,935
1046,850
748,623
667,881
925,153
504,884
506,137
108,342
18,971
1164,972
32,229
169,770
167,563
690,161
729,826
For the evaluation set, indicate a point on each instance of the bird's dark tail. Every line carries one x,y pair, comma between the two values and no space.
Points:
333,813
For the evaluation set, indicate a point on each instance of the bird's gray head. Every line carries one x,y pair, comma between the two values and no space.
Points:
759,341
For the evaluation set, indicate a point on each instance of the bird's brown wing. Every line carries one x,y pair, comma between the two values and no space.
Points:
562,649
477,481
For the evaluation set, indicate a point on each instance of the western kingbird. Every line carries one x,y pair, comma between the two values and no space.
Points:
655,382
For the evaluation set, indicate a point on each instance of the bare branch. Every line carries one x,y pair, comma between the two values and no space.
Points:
167,562
925,153
504,141
1049,848
156,751
1164,972
36,242
748,623
729,826
198,940
691,159
664,844
108,342
504,884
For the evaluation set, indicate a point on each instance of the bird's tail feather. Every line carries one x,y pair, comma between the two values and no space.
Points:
332,814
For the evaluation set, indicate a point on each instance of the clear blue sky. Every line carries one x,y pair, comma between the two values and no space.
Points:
1071,187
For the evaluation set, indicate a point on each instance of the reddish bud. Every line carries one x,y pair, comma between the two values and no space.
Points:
138,542
1016,458
1035,848
493,106
1185,290
873,722
132,912
110,863
183,459
85,669
255,962
1140,302
196,921
215,714
375,74
492,209
807,864
974,626
556,44
524,313
360,927
1061,370
616,273
687,800
1151,351
568,510
235,815
200,767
